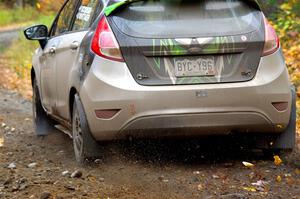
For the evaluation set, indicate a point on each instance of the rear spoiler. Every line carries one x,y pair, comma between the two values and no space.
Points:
114,6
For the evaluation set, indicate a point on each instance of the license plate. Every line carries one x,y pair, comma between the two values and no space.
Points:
189,67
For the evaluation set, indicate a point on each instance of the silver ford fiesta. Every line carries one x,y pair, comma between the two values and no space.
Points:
111,69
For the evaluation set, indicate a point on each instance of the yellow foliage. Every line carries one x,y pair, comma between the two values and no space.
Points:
277,160
38,5
250,189
50,5
248,164
278,179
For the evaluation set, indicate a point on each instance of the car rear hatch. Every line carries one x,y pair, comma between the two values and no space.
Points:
176,42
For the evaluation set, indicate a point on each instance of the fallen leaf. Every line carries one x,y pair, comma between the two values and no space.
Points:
287,175
260,183
297,171
200,187
92,179
277,160
290,181
196,172
278,179
215,177
248,164
251,189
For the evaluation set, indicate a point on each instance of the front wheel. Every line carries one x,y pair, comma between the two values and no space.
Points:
85,146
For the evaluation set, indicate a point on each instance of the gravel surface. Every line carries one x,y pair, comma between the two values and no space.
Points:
41,167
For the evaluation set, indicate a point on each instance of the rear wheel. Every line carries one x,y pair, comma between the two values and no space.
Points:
43,125
85,146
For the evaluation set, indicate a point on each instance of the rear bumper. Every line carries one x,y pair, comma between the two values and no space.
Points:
196,124
191,109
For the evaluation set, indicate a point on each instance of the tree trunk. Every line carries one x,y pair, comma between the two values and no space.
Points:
19,3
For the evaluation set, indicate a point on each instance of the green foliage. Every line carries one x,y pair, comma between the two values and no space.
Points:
285,16
11,3
286,21
18,15
26,16
288,17
22,59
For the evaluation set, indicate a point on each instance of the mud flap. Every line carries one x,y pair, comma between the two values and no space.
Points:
288,138
44,127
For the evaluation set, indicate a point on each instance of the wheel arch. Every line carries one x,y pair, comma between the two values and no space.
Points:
33,75
72,93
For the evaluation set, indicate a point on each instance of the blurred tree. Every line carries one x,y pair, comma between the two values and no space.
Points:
50,5
31,2
18,3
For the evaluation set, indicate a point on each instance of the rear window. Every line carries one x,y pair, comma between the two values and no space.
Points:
187,18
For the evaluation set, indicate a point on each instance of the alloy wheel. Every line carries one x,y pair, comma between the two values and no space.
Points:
77,136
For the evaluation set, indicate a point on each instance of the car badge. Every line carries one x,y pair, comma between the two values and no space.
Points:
244,38
201,94
141,76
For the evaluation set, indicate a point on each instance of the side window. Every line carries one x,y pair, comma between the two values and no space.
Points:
86,14
65,17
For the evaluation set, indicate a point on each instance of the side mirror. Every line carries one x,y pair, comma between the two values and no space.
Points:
37,32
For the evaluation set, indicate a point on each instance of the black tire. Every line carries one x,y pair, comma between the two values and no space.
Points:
43,125
86,147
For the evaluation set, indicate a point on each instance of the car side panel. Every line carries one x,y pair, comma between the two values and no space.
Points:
66,58
47,64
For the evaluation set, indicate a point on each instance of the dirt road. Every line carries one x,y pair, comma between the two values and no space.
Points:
32,167
6,36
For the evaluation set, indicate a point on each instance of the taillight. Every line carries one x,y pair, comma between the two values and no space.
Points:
104,42
271,39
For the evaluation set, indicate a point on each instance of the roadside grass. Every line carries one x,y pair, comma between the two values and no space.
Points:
19,55
21,50
10,16
2,49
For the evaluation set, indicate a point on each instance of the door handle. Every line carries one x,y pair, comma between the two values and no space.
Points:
52,50
74,45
